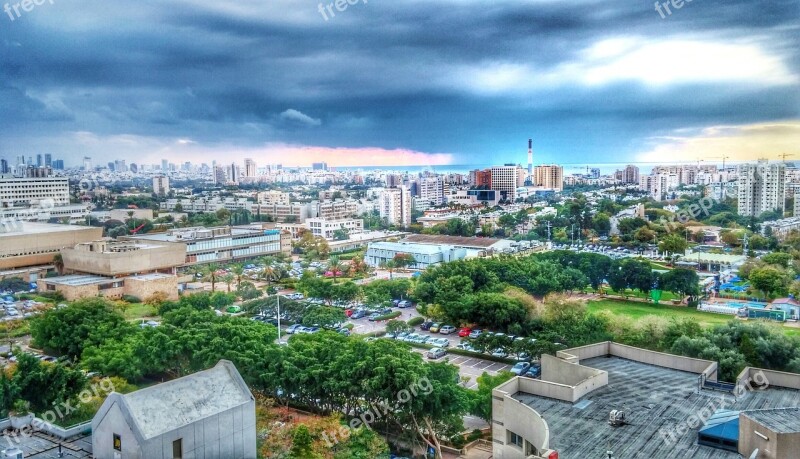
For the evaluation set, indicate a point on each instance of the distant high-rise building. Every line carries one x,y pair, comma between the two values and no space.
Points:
219,175
134,168
761,187
250,169
164,165
530,157
161,185
481,178
111,166
39,160
549,176
48,160
431,190
506,179
4,166
630,175
393,181
58,164
87,163
319,166
233,173
120,166
395,206
595,173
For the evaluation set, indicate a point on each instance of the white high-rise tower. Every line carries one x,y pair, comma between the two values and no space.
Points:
530,157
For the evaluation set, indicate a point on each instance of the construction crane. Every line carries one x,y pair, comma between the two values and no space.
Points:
139,228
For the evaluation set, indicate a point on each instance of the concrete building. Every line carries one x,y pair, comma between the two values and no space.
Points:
425,255
250,168
629,175
142,286
549,176
762,188
207,414
161,185
327,228
481,178
27,244
395,206
111,258
572,411
22,192
335,210
781,228
506,179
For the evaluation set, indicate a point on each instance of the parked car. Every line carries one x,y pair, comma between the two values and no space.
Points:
436,353
447,329
475,333
348,313
534,371
404,304
464,332
374,316
292,329
520,368
344,331
439,342
435,328
425,326
499,352
358,313
464,346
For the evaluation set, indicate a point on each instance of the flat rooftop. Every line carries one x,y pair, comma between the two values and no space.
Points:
76,280
458,241
653,398
45,228
42,446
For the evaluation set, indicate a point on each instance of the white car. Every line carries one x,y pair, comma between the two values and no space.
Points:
439,342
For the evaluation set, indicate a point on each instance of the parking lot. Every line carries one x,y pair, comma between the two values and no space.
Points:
471,367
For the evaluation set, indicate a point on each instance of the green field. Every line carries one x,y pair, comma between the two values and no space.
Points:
138,310
636,310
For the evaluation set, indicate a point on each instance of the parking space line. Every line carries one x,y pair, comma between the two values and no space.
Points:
477,363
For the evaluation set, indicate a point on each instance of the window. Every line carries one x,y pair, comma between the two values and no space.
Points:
515,439
117,442
177,449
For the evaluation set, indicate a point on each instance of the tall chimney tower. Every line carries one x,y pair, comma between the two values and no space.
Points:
530,157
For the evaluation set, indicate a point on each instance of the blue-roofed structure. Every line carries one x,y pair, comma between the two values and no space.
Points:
721,431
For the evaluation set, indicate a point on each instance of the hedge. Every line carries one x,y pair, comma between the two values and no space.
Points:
392,315
416,321
476,355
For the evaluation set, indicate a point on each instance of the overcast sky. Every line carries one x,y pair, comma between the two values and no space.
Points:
400,82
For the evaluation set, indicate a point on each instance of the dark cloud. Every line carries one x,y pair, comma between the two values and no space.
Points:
391,74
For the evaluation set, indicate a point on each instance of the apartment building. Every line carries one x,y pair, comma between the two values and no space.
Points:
274,197
431,190
336,210
761,187
161,185
481,178
549,176
395,206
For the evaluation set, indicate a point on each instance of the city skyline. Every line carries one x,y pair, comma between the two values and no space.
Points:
382,84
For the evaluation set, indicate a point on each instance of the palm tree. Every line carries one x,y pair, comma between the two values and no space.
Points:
228,279
210,271
238,270
335,265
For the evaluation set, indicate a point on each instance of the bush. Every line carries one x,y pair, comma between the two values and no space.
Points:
392,315
416,321
54,296
131,299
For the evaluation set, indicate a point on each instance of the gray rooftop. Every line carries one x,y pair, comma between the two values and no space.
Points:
76,280
653,398
785,420
174,404
39,445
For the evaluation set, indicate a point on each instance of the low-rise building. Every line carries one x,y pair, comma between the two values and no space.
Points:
207,414
425,255
111,258
327,228
27,244
144,286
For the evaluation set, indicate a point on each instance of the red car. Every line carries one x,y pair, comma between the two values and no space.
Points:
464,332
348,312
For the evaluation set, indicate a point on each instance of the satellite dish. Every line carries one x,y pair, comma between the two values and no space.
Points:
754,455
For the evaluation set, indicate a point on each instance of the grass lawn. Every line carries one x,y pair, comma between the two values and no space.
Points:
138,310
637,310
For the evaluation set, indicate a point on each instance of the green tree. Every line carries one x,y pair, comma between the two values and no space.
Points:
673,243
324,316
481,399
